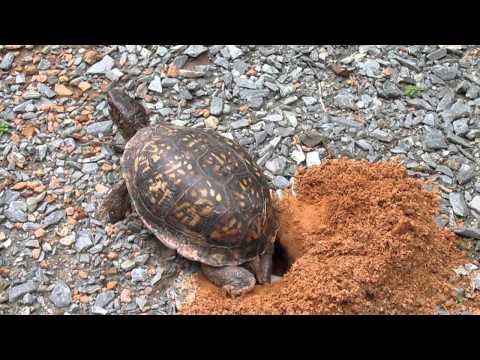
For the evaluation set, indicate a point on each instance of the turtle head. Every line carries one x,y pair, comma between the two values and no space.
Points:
127,113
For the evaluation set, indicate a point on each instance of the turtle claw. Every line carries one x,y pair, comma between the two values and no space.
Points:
234,292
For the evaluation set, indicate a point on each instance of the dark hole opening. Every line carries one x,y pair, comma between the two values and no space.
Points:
281,260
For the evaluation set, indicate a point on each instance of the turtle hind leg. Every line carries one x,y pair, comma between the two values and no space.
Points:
262,265
116,204
234,280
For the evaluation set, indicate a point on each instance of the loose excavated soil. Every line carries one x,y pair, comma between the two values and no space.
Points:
363,240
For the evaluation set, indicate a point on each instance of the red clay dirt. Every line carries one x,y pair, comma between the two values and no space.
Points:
363,240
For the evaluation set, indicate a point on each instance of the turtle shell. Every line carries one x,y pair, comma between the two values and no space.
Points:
199,193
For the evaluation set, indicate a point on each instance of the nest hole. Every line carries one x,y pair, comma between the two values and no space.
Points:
281,261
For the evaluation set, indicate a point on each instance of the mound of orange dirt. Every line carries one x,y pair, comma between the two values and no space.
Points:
362,239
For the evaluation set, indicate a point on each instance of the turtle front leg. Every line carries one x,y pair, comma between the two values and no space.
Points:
235,280
116,203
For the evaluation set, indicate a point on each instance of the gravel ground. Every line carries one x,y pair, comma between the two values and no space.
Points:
288,105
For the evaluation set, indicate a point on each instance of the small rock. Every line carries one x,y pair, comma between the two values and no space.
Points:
114,74
312,139
234,51
370,68
391,90
419,104
298,156
437,54
460,271
190,74
277,165
20,78
42,152
291,118
46,91
141,301
112,285
346,122
89,168
9,196
156,85
273,118
170,83
345,101
16,211
246,83
260,137
477,282
445,73
470,267
460,127
462,87
429,120
39,233
313,158
139,274
22,107
6,244
446,101
280,182
68,240
127,265
457,140
475,203
83,241
84,85
459,109
211,122
28,299
269,69
61,295
90,56
102,127
468,232
102,66
465,174
435,140
53,218
195,50
31,94
238,124
473,92
411,64
7,61
445,170
18,291
457,201
126,296
98,310
62,90
283,132
364,145
102,189
104,298
309,100
382,135
216,106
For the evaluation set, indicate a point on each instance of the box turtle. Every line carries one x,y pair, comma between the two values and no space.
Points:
199,193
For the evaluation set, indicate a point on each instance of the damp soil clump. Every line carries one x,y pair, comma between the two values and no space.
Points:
361,239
